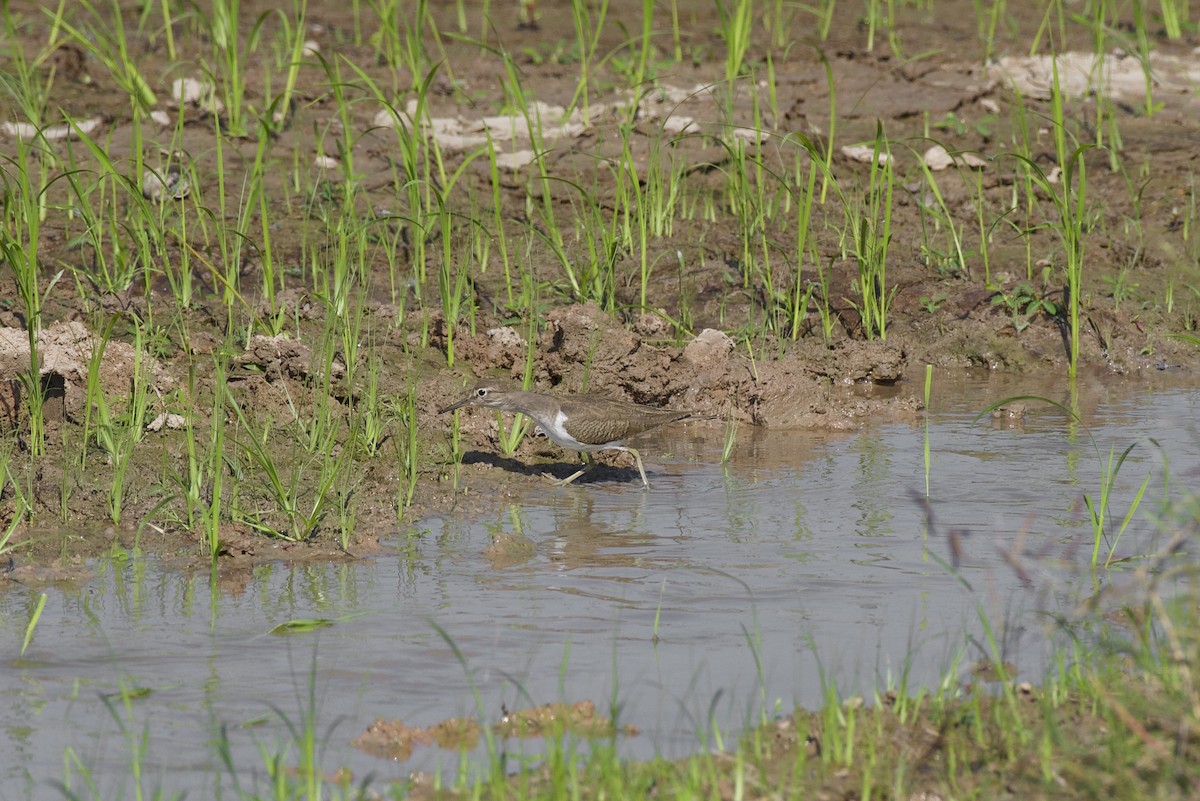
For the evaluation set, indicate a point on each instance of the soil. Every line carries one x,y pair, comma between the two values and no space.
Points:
708,337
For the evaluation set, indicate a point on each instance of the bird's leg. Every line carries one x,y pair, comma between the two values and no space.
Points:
637,457
587,457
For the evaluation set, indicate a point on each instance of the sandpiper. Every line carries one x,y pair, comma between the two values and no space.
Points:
584,423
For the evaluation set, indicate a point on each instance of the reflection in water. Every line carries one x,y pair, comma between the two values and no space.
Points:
810,558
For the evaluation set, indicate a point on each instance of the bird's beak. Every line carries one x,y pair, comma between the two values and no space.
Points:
454,406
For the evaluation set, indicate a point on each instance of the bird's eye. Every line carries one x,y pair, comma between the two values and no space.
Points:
481,392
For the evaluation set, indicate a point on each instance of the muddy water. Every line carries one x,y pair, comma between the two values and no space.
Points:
719,592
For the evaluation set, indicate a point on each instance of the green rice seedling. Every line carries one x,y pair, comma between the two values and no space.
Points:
1135,187
456,288
345,298
785,298
665,182
415,55
1012,728
407,445
685,297
588,29
988,23
730,440
386,37
138,743
23,199
21,497
772,90
256,196
69,474
294,771
928,392
541,173
736,23
824,10
498,231
877,16
943,216
369,415
645,44
1189,215
778,23
415,181
676,33
1175,17
1105,109
1119,286
229,57
739,199
351,179
592,277
213,465
199,484
636,215
985,229
1099,507
300,518
869,225
824,311
228,239
830,135
662,589
347,512
134,419
292,32
1183,336
109,44
1070,203
1139,47
1025,196
34,617
19,246
1054,14
511,436
759,207
801,294
116,434
168,27
174,223
29,90
28,87
893,35
1023,304
99,206
316,426
495,755
873,15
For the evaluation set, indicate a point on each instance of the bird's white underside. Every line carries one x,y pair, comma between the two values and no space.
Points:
557,432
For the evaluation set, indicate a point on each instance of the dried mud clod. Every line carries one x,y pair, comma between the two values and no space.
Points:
394,740
278,358
65,351
809,386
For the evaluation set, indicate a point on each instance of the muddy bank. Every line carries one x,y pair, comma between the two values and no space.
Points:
234,344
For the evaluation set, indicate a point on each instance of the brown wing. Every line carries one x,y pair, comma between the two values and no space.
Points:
596,420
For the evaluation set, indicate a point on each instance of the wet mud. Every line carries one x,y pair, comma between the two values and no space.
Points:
706,338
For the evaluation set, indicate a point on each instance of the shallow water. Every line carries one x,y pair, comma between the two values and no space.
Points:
810,555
